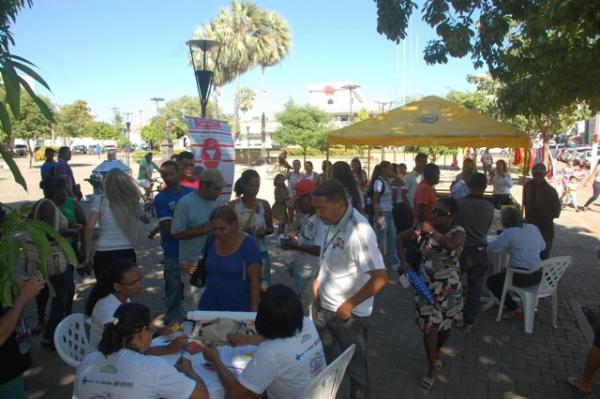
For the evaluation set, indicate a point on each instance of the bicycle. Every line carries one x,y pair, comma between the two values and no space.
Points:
148,197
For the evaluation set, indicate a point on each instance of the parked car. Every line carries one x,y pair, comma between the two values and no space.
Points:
79,149
20,150
556,148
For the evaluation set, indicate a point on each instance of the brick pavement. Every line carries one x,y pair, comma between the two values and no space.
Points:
496,360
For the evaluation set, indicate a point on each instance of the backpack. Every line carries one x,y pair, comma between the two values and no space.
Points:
369,197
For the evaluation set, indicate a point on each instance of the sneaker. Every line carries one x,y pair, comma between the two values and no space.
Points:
396,266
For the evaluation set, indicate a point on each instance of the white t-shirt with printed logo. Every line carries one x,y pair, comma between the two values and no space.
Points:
349,253
129,374
285,367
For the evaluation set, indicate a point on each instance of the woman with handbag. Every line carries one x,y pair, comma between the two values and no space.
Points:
232,263
117,212
254,216
440,245
60,274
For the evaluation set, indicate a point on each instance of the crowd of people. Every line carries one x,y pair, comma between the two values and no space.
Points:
339,232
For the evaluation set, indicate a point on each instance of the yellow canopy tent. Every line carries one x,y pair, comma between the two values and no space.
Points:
430,121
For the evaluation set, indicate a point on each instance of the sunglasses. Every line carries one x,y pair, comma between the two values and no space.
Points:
440,212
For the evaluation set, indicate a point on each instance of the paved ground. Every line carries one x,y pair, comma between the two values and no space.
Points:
496,360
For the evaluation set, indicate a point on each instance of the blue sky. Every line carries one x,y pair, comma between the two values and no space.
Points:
115,53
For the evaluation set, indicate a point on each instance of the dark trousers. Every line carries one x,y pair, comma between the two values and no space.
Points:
337,336
64,288
594,197
473,262
403,217
104,258
495,284
500,199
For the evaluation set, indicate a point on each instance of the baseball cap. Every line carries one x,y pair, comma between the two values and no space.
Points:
213,176
538,168
303,188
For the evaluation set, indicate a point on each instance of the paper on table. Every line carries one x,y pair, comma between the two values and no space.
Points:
236,359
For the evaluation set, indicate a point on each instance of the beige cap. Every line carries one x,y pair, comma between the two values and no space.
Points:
213,176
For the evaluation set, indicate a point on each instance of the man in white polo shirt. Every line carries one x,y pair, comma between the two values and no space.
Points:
351,273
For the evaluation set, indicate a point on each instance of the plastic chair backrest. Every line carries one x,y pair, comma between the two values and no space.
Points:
71,340
327,383
554,268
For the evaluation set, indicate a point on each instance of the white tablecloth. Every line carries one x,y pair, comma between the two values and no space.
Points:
236,359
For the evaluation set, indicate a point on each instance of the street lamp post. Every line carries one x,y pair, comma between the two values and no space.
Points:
350,89
248,142
204,77
127,135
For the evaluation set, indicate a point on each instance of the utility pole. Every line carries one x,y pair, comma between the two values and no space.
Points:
157,100
350,89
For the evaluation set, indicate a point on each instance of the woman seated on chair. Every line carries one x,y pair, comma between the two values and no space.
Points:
289,355
121,282
120,369
523,242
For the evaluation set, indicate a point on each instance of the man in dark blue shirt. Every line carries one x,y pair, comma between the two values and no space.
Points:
164,204
49,164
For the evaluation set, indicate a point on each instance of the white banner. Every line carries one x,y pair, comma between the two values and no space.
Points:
213,148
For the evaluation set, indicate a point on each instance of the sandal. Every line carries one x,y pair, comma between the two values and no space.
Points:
427,383
39,327
573,382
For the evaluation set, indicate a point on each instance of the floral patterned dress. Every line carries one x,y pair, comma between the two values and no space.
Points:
440,271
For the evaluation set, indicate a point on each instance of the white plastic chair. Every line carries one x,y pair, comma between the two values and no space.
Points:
327,383
553,269
71,340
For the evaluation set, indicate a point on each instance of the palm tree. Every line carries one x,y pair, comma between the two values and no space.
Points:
275,44
246,36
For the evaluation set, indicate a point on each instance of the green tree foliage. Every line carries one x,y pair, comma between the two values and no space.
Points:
249,36
154,132
303,125
102,131
74,119
247,97
31,124
361,115
544,52
170,122
13,82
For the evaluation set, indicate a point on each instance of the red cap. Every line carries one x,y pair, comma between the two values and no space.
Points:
303,188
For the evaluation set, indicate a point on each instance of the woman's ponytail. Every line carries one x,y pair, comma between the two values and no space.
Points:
129,319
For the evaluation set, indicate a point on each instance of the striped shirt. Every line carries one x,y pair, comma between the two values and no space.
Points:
348,254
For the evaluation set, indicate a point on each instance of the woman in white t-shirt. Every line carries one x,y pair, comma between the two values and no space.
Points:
121,282
117,212
121,370
502,183
289,355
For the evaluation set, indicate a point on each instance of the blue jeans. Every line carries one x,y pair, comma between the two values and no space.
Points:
173,290
386,237
64,288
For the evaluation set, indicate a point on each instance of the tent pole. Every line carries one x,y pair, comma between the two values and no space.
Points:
525,163
369,159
